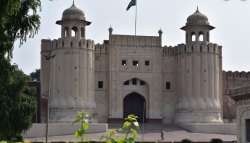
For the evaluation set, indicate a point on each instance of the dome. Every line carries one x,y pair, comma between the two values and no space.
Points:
73,13
197,18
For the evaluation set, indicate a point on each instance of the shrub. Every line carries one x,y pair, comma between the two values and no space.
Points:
129,130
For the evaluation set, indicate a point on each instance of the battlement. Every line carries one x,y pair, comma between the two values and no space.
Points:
100,49
168,51
46,45
67,43
195,48
236,75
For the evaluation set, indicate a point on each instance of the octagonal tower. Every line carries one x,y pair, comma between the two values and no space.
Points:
71,68
199,74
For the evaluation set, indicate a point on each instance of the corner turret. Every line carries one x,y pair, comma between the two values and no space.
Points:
197,28
73,23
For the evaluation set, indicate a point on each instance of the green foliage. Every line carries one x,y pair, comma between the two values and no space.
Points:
110,136
35,76
18,21
83,119
17,107
130,128
129,132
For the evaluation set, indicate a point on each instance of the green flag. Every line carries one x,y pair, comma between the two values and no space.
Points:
132,3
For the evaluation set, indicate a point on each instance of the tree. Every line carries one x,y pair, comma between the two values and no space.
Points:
35,76
19,20
17,108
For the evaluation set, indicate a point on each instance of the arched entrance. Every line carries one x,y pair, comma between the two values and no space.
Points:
135,104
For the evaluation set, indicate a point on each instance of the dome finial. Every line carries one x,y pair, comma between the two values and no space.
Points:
73,3
197,10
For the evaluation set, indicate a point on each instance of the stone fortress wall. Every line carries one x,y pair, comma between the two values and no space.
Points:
134,74
198,81
182,49
113,74
232,80
101,66
74,57
174,62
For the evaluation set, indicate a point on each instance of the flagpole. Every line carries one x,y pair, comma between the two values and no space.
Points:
136,17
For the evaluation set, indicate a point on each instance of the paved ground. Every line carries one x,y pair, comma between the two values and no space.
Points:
150,133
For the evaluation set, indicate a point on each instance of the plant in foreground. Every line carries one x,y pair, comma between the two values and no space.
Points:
83,119
129,132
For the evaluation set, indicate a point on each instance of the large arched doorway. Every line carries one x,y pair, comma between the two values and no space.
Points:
135,104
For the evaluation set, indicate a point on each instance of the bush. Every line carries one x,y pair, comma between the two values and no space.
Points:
129,131
83,119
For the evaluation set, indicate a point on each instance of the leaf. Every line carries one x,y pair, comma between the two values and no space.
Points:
85,126
76,134
120,141
131,140
126,125
134,133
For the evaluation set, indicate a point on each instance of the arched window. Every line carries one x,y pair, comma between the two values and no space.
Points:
73,31
193,36
126,82
201,36
134,82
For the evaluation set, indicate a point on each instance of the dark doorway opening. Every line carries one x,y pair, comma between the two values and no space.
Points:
135,104
248,130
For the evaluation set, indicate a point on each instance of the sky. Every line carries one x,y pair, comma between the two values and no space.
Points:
231,19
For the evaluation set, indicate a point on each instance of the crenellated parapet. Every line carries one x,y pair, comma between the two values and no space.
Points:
168,51
46,45
197,48
236,79
100,49
67,43
236,75
182,49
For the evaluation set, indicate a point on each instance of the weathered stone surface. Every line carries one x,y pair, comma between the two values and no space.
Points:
180,84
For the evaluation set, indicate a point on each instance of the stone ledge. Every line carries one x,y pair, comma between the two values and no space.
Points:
218,128
60,129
